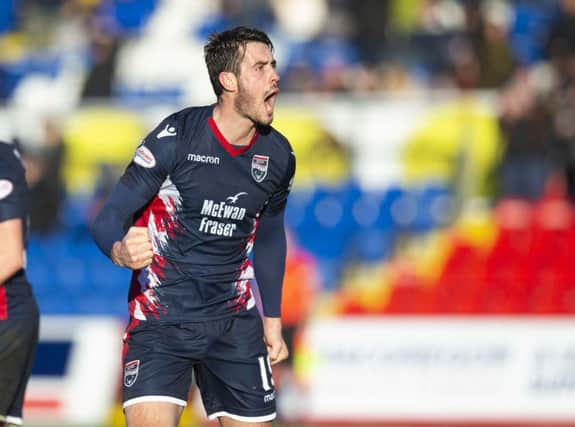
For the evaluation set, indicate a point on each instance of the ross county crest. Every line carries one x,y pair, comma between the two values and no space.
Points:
131,372
259,167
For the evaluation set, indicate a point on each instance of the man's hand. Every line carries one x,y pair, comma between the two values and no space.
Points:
135,249
277,348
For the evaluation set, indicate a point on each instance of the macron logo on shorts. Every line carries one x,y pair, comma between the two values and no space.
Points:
131,370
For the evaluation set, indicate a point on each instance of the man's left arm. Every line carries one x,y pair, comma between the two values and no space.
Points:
269,264
270,250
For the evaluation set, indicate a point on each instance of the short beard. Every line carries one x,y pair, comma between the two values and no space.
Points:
244,105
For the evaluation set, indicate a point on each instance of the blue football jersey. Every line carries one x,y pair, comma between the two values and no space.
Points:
206,198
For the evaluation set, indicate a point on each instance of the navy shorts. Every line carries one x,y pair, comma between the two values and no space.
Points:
228,358
18,341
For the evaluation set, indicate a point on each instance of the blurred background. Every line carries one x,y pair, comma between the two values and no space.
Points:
429,277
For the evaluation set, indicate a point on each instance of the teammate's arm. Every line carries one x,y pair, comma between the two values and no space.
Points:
12,210
11,249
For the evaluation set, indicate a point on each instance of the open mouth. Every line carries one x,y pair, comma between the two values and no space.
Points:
270,100
271,95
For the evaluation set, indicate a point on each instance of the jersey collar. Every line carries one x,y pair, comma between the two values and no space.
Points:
231,149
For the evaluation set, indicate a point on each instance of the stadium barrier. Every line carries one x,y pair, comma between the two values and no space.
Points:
441,371
75,380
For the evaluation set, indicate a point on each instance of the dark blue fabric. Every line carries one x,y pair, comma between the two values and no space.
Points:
269,262
116,217
202,201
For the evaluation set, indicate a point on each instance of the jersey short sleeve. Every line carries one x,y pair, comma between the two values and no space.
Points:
154,159
278,200
12,184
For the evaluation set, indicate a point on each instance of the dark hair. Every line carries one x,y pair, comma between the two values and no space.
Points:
224,51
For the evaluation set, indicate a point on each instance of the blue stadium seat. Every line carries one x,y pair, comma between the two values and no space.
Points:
435,207
8,15
329,223
126,17
376,227
57,304
323,224
298,209
40,276
108,279
74,213
94,303
71,275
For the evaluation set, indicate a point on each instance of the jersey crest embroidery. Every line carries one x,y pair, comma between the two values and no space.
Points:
131,372
259,167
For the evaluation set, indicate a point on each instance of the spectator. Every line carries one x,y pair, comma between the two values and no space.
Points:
44,175
528,141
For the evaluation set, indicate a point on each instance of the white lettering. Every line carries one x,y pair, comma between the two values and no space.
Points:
217,228
207,207
223,211
202,158
203,224
220,210
228,211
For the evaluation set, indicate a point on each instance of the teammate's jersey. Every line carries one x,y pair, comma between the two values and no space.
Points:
16,293
206,199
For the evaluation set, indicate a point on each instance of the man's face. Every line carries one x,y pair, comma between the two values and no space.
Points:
258,84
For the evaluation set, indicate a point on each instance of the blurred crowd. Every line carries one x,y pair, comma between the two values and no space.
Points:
58,57
72,73
322,45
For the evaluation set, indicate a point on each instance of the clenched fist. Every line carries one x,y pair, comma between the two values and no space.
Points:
135,251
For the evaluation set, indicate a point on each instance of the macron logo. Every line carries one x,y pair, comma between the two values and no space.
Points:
169,130
202,158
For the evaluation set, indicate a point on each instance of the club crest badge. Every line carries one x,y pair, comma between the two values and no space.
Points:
131,372
259,167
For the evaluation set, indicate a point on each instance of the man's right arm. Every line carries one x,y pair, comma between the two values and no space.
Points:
112,229
135,251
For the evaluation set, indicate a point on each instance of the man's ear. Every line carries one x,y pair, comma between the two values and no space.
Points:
228,81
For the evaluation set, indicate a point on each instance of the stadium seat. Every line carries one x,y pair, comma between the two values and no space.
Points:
434,207
126,18
326,228
74,213
374,236
57,304
459,286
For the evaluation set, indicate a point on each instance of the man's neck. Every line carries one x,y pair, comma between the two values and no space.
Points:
236,129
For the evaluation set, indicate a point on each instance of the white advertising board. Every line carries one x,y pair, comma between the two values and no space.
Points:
515,369
76,374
